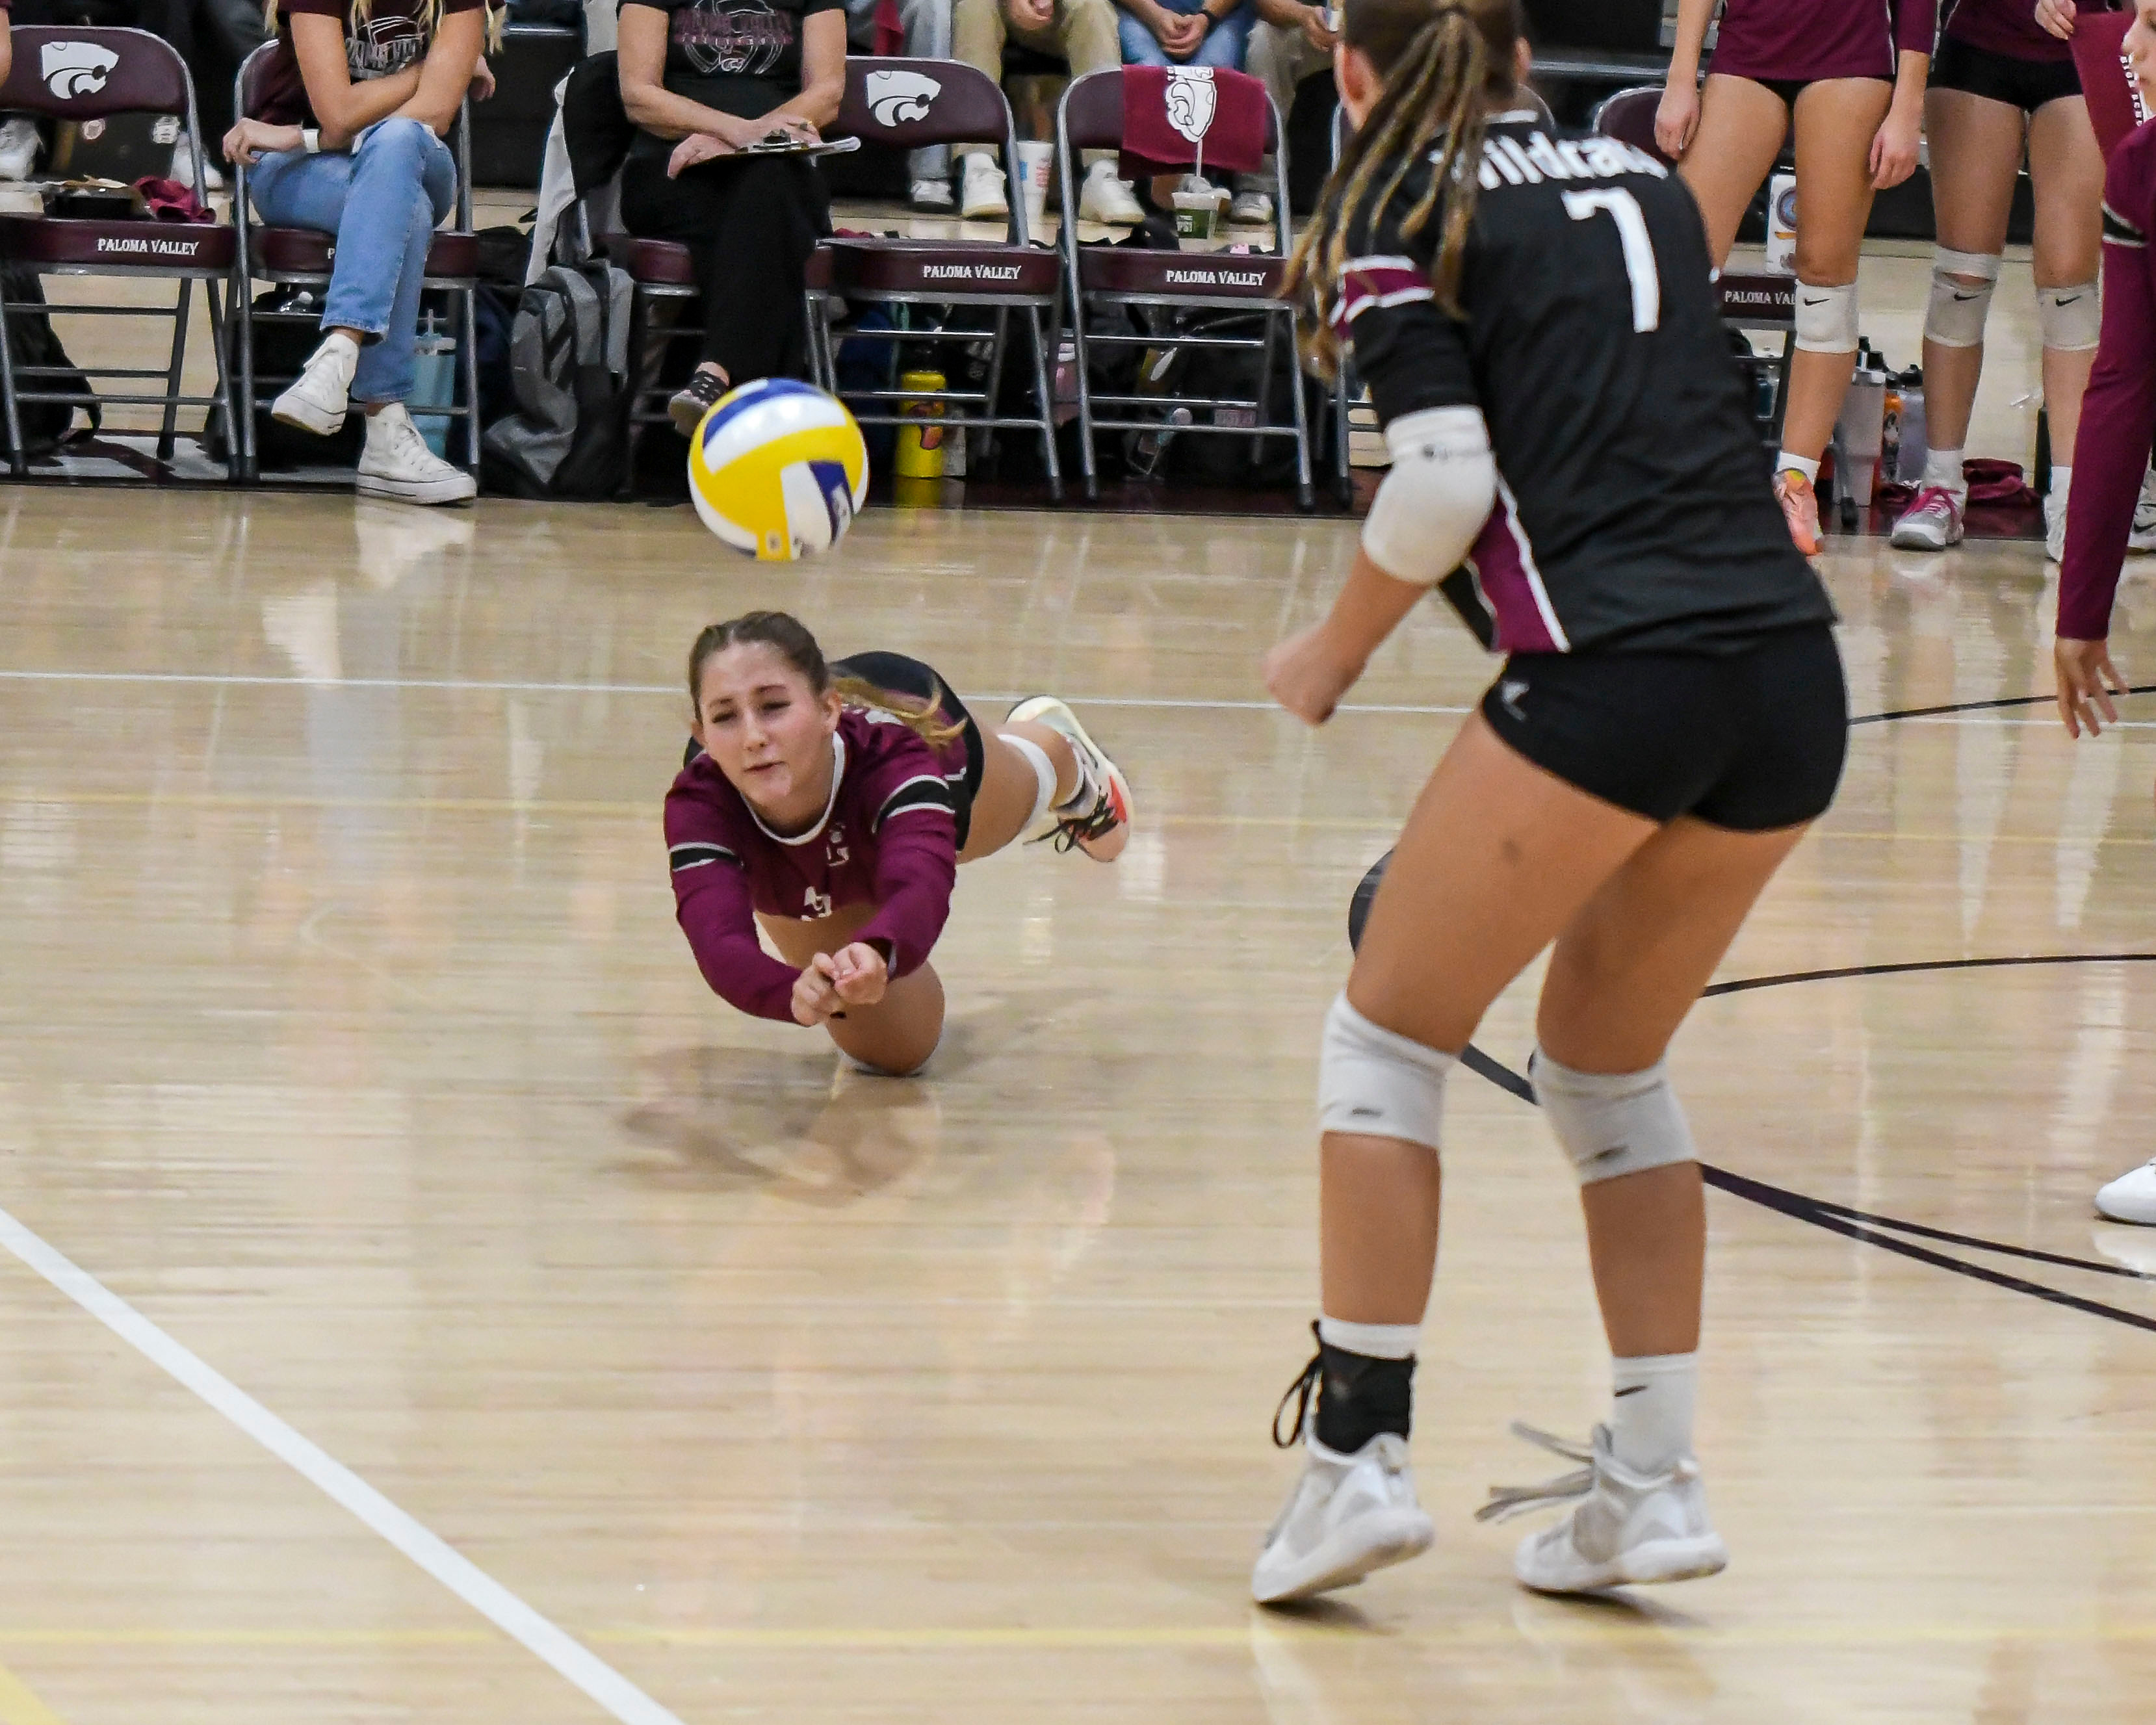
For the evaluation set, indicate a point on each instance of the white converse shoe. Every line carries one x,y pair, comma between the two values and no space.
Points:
18,148
1347,1517
2055,525
2143,536
2130,1198
1931,522
981,196
1099,824
397,464
1625,1528
1252,207
320,396
1105,199
931,197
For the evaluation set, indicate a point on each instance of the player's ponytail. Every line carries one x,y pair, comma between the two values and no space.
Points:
789,637
1443,62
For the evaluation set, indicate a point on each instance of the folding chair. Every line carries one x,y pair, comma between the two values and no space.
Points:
907,104
60,72
1758,301
1090,117
304,256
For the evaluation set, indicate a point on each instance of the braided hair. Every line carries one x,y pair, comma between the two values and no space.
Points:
1445,63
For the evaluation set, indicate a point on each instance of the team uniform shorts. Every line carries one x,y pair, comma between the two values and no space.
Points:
2026,84
895,674
1750,740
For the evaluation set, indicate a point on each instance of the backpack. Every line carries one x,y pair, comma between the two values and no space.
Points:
31,342
567,432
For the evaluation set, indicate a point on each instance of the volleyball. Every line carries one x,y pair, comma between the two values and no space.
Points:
777,470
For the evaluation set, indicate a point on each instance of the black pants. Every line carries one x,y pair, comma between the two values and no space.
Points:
750,224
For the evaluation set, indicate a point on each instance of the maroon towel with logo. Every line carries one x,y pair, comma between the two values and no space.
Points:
2114,100
1189,116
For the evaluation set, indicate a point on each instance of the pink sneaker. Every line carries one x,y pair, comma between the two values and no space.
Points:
1931,522
1799,508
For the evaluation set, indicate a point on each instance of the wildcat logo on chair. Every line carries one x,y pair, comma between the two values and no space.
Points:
895,97
74,69
1191,100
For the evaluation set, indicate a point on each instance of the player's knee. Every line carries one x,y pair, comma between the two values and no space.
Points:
2069,319
1611,1124
1827,316
1961,296
1378,1083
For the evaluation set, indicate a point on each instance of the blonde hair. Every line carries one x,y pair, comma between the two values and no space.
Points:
1443,63
789,637
497,19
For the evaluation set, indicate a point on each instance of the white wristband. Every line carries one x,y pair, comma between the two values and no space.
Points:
311,140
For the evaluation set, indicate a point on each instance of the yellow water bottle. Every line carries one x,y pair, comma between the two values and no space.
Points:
919,454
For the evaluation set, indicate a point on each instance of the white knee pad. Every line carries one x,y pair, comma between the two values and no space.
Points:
1044,771
1377,1082
1826,318
1957,310
2069,319
1611,1124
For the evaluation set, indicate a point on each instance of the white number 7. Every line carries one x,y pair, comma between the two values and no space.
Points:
1639,248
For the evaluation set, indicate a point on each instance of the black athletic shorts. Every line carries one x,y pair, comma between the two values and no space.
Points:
1789,89
1750,741
2026,84
895,674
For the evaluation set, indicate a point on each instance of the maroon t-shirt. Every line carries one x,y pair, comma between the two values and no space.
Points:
1806,40
888,838
394,34
2118,412
2009,27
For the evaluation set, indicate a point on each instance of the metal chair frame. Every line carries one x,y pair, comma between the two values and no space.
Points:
28,41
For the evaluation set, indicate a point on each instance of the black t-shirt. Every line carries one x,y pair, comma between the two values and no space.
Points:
742,57
395,34
1636,508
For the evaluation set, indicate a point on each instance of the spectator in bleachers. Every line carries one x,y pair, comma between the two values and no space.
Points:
704,83
1289,42
349,141
926,25
1185,33
1080,32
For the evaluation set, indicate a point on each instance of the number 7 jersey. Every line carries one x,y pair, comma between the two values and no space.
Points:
1634,510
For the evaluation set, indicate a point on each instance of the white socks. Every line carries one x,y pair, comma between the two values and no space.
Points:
1943,467
1786,463
1650,1417
2062,479
1371,1340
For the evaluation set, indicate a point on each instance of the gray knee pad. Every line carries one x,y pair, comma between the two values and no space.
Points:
2069,320
1826,317
1961,296
1377,1082
1612,1124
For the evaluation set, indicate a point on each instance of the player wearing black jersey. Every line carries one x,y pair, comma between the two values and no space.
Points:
1574,462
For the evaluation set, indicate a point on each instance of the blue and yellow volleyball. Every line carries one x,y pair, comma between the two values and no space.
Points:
777,468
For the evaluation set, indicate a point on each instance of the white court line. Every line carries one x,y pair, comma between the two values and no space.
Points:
458,1573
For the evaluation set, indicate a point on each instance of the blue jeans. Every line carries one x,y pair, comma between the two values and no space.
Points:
1223,46
382,201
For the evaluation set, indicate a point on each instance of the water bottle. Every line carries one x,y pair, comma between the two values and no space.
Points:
434,385
1915,440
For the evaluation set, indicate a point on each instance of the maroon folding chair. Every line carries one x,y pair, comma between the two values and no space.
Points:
304,256
61,73
907,104
1090,117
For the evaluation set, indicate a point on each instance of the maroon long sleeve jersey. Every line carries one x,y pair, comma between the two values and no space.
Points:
2118,412
889,837
1805,40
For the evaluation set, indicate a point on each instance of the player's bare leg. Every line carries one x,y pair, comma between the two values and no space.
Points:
2066,171
1742,126
896,1036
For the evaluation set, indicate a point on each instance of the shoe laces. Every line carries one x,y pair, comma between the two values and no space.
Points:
1300,1391
1072,830
1936,499
1506,1502
403,434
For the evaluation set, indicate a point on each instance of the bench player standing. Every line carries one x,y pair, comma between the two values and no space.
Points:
1573,463
2118,424
1848,77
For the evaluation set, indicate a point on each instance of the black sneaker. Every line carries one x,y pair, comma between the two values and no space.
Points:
695,399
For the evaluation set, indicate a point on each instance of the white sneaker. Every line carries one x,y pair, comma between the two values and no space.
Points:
1931,522
18,148
1626,1528
982,196
931,197
1099,824
183,169
2143,536
2130,1198
1347,1517
1105,199
397,464
2055,525
320,396
1252,206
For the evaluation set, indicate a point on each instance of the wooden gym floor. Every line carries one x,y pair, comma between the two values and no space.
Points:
357,1091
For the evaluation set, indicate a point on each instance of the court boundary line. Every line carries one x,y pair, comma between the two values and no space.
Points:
522,1623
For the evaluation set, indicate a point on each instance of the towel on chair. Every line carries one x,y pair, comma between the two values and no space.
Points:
1193,117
